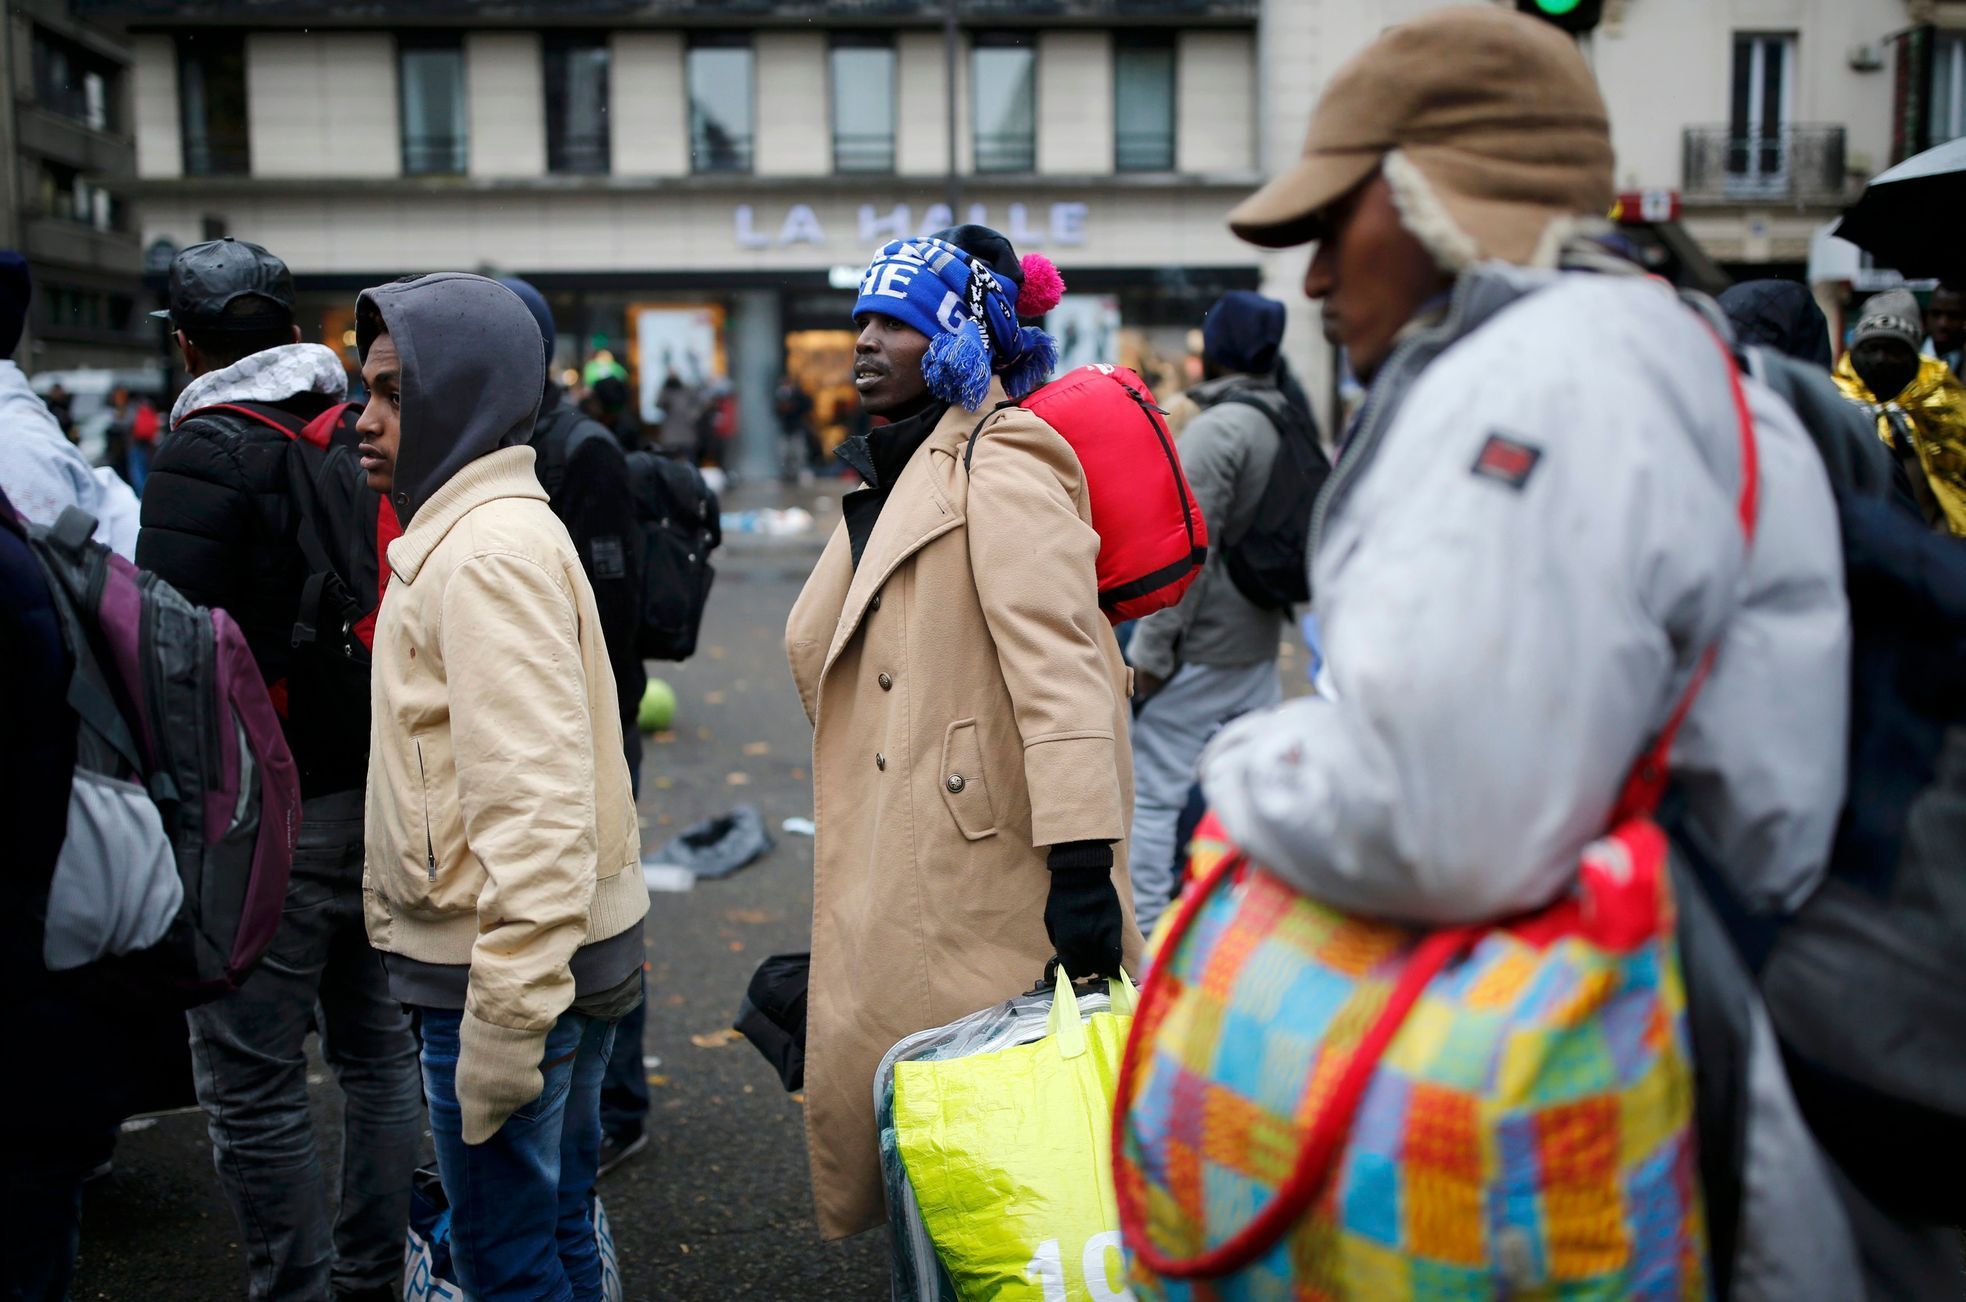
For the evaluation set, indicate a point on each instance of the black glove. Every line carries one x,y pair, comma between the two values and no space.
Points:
1082,914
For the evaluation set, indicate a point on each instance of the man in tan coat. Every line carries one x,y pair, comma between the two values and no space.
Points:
503,882
971,779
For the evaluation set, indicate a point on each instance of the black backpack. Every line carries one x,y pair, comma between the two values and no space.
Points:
1863,980
1267,563
680,526
342,530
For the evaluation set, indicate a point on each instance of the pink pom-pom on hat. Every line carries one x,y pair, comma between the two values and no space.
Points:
1043,286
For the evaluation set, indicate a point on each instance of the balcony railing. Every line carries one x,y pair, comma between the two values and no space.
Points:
580,152
1006,151
434,155
1143,151
1796,164
210,158
863,152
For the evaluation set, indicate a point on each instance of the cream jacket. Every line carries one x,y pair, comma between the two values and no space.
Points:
501,832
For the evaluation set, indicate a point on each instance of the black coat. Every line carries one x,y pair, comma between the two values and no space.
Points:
585,473
220,525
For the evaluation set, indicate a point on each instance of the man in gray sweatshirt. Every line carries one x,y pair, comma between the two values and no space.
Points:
1212,657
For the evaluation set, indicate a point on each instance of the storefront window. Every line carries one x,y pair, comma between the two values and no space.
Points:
576,103
720,98
434,130
1143,102
863,104
1003,102
211,82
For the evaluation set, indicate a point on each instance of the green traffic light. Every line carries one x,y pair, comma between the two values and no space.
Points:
1557,8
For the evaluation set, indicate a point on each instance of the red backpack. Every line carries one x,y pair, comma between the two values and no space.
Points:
1152,539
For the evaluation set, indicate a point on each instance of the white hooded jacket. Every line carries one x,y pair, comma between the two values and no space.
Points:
42,473
1502,647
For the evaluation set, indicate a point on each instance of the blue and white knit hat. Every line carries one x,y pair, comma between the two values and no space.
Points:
965,289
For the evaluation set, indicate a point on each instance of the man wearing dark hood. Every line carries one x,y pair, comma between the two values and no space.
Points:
1779,314
503,881
1211,657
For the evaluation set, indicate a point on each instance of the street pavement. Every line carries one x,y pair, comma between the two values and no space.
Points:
718,1205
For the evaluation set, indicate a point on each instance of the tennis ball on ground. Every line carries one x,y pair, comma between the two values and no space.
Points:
658,710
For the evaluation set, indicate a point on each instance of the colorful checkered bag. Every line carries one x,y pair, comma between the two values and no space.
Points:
1319,1106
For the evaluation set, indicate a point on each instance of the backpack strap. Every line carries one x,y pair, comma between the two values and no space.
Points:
969,451
73,572
552,442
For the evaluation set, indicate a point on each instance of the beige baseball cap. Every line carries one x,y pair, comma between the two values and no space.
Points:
1496,110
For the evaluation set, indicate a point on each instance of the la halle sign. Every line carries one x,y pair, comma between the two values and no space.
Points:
1058,224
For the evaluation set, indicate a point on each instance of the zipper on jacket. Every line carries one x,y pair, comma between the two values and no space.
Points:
429,846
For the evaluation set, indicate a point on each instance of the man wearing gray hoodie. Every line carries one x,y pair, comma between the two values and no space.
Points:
503,882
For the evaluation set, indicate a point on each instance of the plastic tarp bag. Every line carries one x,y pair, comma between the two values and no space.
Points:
428,1275
996,1150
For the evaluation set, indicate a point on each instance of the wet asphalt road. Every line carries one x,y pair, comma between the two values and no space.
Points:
718,1205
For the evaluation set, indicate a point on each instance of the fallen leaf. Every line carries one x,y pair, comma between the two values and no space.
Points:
664,783
737,947
714,652
798,775
750,917
703,734
800,1098
713,698
757,748
715,1039
662,820
675,1001
738,779
657,1078
662,738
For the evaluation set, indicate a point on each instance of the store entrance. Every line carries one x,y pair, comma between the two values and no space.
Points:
821,363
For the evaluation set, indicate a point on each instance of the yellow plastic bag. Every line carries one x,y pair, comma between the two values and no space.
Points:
1010,1159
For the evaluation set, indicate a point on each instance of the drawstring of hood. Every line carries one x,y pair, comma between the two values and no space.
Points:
473,372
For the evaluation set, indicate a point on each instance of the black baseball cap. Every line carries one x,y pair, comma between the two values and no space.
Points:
207,278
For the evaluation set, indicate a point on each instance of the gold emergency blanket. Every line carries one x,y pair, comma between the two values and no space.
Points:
1932,408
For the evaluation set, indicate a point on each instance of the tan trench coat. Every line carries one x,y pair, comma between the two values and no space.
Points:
969,707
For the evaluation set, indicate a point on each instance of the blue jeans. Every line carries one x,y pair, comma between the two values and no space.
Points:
520,1226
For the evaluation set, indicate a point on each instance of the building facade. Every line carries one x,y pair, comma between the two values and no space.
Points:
695,183
695,187
68,131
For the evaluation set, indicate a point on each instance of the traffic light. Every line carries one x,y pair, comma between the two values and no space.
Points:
1573,16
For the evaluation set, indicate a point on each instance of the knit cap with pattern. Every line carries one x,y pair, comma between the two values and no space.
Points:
965,288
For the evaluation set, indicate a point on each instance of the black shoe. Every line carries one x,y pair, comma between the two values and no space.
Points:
616,1149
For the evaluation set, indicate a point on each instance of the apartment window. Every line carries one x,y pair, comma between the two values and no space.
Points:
72,81
435,135
66,195
1948,88
1004,102
720,103
1760,112
211,79
1143,102
863,104
576,103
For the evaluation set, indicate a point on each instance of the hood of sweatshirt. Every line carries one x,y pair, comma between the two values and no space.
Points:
473,369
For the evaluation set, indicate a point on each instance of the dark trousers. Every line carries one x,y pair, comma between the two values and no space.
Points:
625,1088
301,1238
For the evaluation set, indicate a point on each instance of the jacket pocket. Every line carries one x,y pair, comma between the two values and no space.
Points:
965,785
433,833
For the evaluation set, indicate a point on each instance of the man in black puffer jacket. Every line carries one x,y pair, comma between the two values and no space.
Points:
222,523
